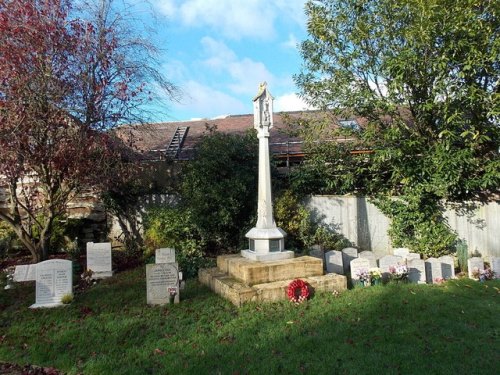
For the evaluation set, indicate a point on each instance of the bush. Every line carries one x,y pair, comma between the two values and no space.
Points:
173,227
6,237
304,231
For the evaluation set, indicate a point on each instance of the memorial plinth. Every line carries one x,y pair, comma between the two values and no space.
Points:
241,280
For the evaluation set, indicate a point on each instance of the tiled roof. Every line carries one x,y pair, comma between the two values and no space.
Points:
152,139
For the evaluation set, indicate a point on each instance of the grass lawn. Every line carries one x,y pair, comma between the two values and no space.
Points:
395,329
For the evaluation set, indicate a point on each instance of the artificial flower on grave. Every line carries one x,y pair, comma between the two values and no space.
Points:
363,275
399,272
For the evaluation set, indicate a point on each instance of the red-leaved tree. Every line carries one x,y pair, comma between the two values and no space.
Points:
62,84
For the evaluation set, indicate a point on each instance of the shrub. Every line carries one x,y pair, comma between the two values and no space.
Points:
173,227
6,237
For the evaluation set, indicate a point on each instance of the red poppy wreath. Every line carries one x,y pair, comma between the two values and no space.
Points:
298,291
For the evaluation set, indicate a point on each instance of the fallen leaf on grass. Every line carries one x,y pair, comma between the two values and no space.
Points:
468,286
290,322
159,351
412,292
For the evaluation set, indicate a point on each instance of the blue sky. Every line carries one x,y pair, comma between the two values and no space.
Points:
218,51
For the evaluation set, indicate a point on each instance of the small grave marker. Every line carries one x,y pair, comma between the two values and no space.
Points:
474,264
25,272
370,255
334,262
54,280
165,255
388,261
447,267
495,266
99,259
433,270
416,271
348,254
162,282
359,264
401,252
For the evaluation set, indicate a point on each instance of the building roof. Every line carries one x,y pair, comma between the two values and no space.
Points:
153,140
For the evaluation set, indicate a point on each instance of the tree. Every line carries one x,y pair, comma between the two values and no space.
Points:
64,81
425,76
219,188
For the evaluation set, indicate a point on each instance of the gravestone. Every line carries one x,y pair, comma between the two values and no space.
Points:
474,264
433,270
334,262
388,261
359,264
54,279
317,253
370,255
162,282
447,267
411,256
401,252
416,271
495,266
348,254
166,255
25,272
99,259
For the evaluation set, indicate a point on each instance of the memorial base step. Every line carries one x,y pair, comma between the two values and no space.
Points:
223,282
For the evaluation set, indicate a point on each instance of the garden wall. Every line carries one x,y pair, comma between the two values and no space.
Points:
363,223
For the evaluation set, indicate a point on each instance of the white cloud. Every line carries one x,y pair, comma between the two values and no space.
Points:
207,101
290,102
235,19
244,74
291,42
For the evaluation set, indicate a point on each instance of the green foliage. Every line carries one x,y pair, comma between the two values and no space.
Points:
303,230
219,189
173,227
462,252
6,237
424,76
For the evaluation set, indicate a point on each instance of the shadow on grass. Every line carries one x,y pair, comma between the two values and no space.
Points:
407,329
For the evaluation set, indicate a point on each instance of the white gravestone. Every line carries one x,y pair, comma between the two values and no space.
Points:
99,259
348,254
334,262
25,272
447,267
162,282
388,261
433,270
474,264
411,256
359,264
495,266
370,255
401,252
416,271
54,280
166,255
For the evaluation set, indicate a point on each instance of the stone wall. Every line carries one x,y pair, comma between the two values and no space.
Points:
363,223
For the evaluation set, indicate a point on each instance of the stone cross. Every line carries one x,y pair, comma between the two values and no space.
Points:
266,240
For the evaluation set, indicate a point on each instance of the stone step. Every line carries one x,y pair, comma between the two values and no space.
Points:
251,272
238,293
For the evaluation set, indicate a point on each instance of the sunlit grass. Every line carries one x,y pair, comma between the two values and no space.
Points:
393,329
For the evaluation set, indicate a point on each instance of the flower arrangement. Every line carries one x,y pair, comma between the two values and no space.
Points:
363,275
298,291
375,275
399,272
486,274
